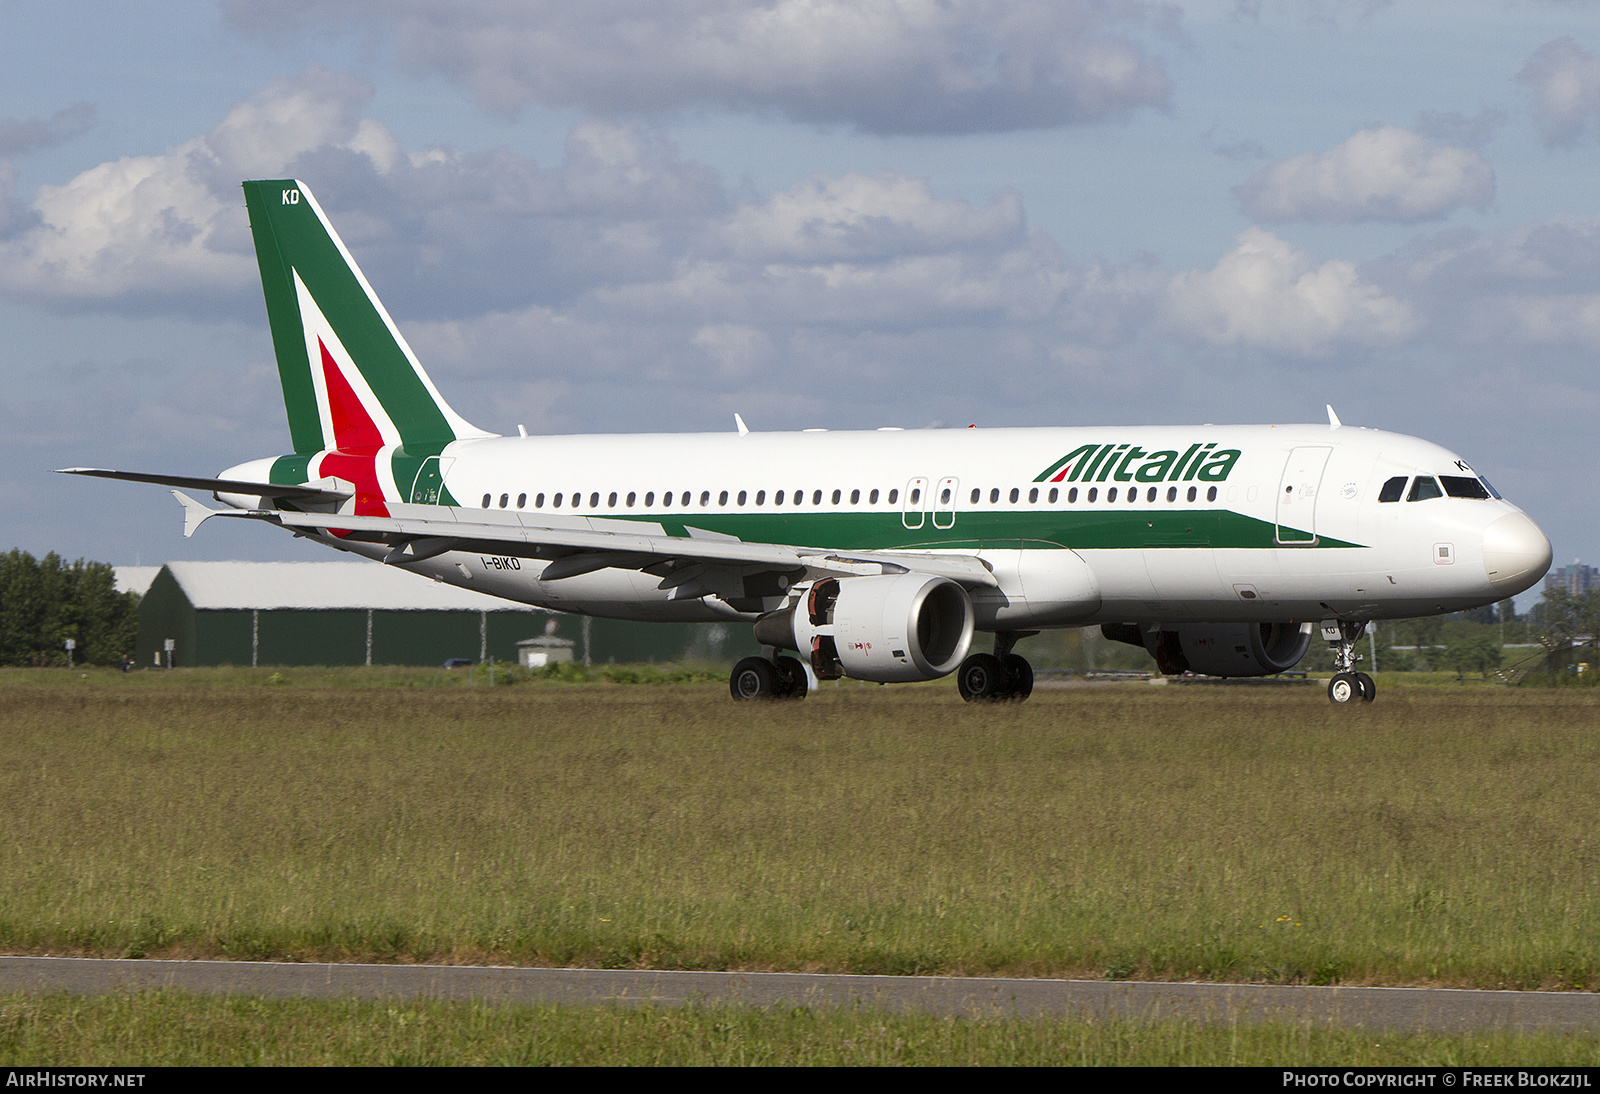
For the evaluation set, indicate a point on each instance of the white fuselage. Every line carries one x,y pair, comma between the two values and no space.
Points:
1289,528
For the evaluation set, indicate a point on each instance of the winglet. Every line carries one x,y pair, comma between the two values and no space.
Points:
744,430
194,513
1333,419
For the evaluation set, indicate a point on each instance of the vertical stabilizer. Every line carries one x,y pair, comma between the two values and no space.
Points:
349,380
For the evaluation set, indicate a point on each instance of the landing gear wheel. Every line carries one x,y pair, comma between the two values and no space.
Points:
1345,688
790,682
753,678
1019,677
981,678
1347,684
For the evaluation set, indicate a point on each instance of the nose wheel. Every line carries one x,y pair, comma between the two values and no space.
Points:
1348,685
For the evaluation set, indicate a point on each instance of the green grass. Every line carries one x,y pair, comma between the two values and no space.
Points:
175,1029
1443,835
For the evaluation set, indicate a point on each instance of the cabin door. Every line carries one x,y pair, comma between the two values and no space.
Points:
1297,494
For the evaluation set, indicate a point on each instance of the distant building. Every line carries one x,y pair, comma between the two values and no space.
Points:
1577,579
353,613
134,579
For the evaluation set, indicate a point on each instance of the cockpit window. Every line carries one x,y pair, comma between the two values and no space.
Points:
1394,489
1464,486
1489,486
1423,488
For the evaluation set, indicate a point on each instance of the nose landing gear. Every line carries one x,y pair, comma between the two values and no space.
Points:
1347,684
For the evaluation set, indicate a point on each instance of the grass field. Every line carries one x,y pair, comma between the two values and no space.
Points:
172,1028
1443,835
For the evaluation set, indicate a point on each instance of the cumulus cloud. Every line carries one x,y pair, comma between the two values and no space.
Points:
1533,284
19,135
624,274
151,227
1382,173
884,66
1266,295
1565,80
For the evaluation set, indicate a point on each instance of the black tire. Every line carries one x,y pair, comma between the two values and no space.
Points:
981,678
1369,688
753,678
1344,688
790,682
1019,677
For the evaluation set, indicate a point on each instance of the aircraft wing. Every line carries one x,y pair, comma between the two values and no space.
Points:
580,545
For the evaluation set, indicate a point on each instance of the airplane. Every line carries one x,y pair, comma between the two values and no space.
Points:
875,555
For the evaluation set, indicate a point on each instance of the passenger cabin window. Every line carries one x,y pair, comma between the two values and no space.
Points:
1394,489
1054,494
1463,486
1424,488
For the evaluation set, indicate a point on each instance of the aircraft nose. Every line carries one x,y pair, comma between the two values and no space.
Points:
1515,553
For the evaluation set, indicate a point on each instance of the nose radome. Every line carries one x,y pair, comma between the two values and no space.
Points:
1515,553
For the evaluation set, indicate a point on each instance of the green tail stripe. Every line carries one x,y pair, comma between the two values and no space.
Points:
291,238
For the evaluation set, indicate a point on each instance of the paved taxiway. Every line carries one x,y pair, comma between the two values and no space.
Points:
1434,1009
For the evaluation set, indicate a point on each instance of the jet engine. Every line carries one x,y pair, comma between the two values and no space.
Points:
890,629
1219,649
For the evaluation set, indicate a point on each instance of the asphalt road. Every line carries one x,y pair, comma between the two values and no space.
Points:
1432,1009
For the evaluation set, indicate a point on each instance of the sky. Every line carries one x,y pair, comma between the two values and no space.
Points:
634,216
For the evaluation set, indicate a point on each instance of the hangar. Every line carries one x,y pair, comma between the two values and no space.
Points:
354,613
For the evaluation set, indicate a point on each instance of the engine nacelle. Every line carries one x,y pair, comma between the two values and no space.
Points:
892,629
1221,649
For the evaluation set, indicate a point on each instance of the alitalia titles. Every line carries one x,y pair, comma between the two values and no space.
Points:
1130,463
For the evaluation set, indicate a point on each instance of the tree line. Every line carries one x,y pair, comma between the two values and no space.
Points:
44,602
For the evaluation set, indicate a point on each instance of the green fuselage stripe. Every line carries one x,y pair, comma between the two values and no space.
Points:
1086,529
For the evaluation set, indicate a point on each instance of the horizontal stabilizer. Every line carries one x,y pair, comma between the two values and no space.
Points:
216,486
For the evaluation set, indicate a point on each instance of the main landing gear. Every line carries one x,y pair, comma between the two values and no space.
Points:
993,677
1347,684
760,678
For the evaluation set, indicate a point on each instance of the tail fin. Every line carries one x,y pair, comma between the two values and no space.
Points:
349,379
